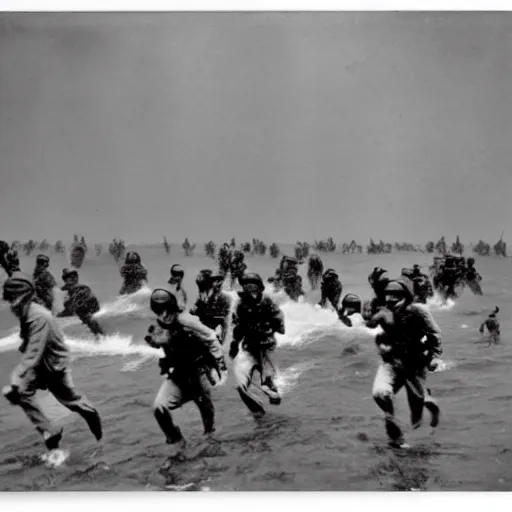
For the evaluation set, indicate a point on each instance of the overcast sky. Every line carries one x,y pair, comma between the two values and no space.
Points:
277,126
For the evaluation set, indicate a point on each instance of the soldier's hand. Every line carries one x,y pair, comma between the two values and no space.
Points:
165,369
384,350
346,320
432,366
149,337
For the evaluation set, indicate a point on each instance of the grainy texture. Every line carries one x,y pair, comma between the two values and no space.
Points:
327,434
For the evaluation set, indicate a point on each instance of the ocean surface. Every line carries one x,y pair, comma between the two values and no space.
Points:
327,434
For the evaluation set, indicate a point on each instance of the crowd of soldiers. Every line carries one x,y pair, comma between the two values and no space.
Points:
192,338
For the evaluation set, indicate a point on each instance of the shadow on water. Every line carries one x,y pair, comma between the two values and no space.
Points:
407,469
203,460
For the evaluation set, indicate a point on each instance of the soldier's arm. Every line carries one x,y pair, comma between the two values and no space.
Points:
276,318
323,299
375,321
193,325
223,317
37,332
430,328
194,310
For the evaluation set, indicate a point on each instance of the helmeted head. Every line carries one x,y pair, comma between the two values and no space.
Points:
470,261
495,312
399,294
11,260
416,269
289,262
177,274
70,276
204,280
132,258
330,275
164,305
351,304
252,286
238,255
378,279
42,261
18,290
217,280
449,260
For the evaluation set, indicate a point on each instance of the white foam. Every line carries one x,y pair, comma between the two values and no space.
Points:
442,366
132,366
55,458
437,303
111,345
126,304
10,342
120,306
287,379
307,324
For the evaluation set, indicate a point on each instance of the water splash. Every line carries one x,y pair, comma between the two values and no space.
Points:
110,345
443,366
134,305
126,304
288,378
132,366
438,303
11,341
305,324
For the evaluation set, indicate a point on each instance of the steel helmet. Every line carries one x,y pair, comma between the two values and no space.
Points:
217,276
177,270
42,259
204,278
132,258
399,287
252,278
163,301
177,273
67,273
17,285
351,301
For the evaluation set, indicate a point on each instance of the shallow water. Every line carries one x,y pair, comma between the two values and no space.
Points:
326,435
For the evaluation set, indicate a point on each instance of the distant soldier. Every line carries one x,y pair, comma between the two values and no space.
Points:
493,326
315,270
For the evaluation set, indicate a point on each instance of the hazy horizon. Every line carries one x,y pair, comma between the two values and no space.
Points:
200,243
278,126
